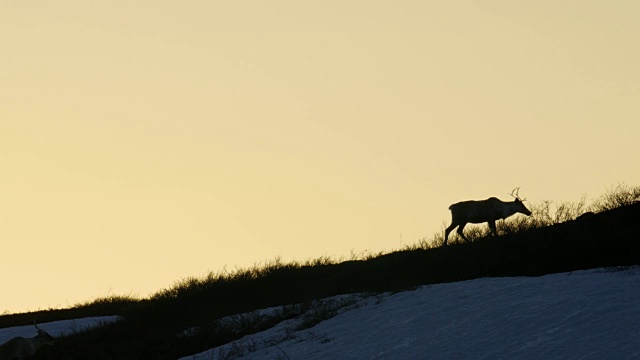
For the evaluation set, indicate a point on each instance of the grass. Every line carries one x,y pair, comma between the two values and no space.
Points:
555,239
298,317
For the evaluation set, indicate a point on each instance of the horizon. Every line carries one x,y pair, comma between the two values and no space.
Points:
150,142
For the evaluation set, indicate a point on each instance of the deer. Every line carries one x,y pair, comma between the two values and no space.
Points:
479,211
20,348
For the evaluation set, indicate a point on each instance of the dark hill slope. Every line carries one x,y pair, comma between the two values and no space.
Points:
611,238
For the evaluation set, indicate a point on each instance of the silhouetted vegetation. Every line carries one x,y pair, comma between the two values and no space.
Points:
556,238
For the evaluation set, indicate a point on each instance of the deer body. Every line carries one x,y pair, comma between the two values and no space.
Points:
20,348
479,211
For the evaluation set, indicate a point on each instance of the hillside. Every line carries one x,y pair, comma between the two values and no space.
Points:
590,314
152,327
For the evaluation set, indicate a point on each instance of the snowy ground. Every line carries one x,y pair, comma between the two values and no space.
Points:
591,314
56,328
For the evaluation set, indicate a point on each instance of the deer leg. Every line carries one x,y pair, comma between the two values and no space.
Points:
447,231
460,228
492,227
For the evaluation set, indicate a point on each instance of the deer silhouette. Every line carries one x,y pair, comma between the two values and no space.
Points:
479,211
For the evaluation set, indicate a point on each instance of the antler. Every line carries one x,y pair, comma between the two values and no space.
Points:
516,196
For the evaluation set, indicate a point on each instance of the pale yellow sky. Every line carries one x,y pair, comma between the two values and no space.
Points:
143,142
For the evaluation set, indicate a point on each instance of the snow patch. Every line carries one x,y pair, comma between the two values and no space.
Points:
57,328
592,314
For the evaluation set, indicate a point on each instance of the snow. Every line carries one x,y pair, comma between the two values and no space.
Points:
56,328
592,314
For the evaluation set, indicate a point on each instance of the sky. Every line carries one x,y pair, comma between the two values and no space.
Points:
145,142
580,315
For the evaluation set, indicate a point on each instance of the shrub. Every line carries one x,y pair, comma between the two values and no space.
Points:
621,195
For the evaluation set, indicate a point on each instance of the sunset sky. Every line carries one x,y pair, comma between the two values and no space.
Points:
142,142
